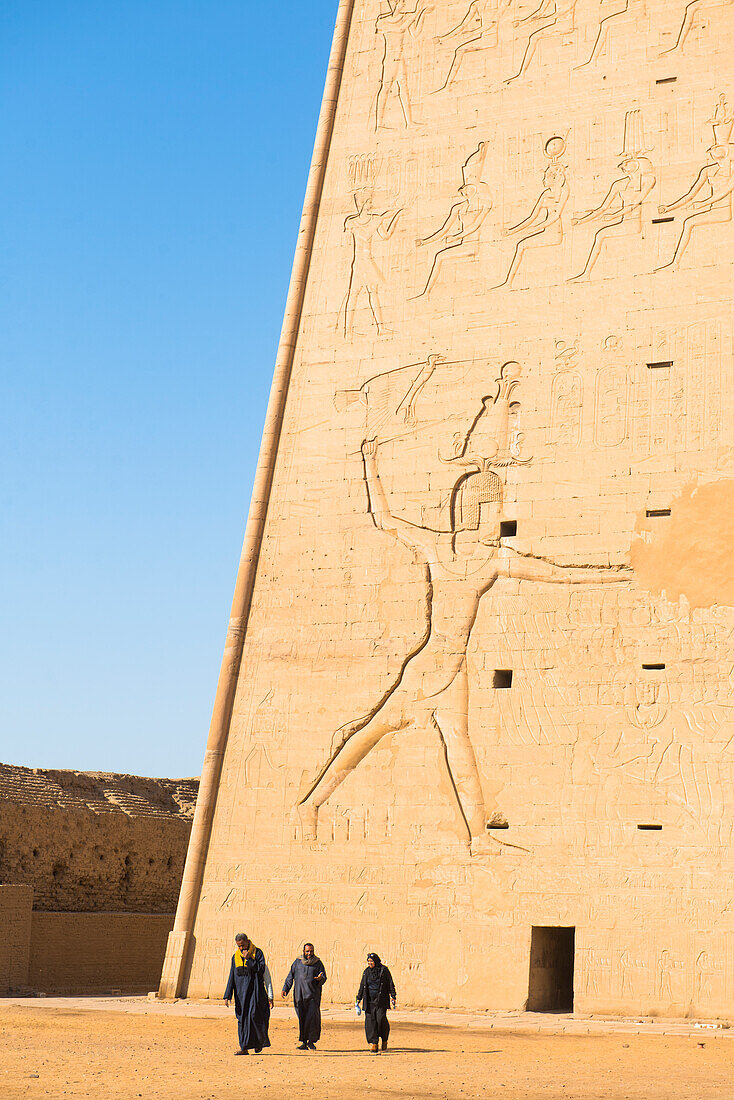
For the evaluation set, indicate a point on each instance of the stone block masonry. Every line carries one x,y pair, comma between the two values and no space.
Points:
476,708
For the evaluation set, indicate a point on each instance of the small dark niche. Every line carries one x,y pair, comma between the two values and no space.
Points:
667,80
662,221
663,364
654,668
502,678
650,828
657,513
508,528
492,825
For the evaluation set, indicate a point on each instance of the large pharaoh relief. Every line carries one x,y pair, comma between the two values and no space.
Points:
455,535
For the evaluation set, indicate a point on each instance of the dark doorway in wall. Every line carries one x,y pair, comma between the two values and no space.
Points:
551,970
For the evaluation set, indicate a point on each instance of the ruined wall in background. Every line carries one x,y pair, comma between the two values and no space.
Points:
97,952
487,679
15,937
92,842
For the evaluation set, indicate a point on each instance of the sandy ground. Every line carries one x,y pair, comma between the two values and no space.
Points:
93,1053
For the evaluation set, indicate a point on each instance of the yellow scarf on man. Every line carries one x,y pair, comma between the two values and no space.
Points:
240,959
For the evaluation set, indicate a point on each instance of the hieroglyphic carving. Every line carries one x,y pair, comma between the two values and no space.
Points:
394,26
710,194
567,393
611,396
552,19
543,227
478,30
620,212
461,563
691,13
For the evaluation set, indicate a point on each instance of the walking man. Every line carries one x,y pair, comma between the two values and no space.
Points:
249,981
306,977
377,994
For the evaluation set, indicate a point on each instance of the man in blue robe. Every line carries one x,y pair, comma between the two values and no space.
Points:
249,981
307,977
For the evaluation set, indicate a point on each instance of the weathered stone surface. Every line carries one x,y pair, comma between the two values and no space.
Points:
491,628
92,842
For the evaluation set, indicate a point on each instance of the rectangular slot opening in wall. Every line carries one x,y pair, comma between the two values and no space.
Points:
662,221
502,678
654,668
650,828
663,364
508,528
667,80
552,953
657,513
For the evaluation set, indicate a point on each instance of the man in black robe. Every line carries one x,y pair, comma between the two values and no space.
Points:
307,977
377,994
248,976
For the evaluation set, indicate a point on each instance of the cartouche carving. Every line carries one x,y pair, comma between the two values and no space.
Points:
543,227
620,212
462,563
611,398
567,392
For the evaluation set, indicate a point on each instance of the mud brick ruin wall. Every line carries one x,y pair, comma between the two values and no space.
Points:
16,903
97,952
99,859
484,722
90,842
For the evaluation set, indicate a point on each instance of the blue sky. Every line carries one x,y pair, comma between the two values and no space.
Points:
154,159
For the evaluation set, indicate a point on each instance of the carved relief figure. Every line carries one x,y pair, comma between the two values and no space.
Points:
690,16
543,226
364,227
554,18
394,26
461,563
477,30
260,771
458,237
710,195
606,25
722,122
620,211
384,399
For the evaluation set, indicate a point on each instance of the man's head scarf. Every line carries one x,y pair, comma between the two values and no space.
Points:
249,955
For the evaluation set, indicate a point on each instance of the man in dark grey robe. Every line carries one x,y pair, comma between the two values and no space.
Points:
307,977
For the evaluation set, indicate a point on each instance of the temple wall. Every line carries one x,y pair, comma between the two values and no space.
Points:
486,682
